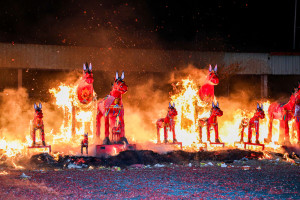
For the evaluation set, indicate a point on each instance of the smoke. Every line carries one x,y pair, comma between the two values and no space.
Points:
145,102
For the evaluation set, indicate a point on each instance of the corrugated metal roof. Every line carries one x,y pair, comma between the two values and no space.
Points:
285,65
64,57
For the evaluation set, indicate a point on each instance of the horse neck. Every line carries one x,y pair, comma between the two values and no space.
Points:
213,116
169,116
116,94
290,104
255,116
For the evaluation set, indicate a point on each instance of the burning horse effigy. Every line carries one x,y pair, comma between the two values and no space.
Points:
211,122
38,124
284,113
168,124
207,91
85,144
111,108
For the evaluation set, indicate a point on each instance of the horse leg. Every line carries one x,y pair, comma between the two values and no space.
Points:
216,133
208,133
242,134
200,133
249,134
112,124
297,124
174,135
98,126
33,136
269,138
165,134
257,132
43,136
106,139
158,133
286,129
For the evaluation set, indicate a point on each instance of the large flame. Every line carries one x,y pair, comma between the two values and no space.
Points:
80,118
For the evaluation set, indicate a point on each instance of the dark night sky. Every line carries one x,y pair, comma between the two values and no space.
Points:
215,25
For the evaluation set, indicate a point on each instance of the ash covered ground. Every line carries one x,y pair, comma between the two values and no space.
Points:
227,174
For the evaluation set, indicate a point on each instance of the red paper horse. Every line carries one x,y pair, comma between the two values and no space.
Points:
254,123
207,91
167,123
85,143
38,124
111,107
297,117
211,122
283,112
85,88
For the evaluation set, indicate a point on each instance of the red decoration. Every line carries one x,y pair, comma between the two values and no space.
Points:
37,124
85,143
167,123
284,113
111,107
85,87
207,91
254,123
211,122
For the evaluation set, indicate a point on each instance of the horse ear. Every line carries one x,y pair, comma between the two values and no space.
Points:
117,75
262,106
257,106
35,107
84,67
169,105
40,106
173,104
123,75
216,68
210,68
217,104
213,105
90,67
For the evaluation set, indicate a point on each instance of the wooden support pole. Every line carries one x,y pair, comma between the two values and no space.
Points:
19,78
264,86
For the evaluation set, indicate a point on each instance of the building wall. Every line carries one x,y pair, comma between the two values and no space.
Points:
29,56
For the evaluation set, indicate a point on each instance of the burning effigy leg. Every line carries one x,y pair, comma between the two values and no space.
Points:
249,134
43,136
33,136
286,130
208,133
269,138
217,133
174,135
165,134
257,132
106,139
200,134
297,124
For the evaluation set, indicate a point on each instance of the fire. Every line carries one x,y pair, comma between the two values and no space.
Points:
190,109
78,118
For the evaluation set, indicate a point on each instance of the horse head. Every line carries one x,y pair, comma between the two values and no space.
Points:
119,85
88,75
212,77
215,110
38,110
172,112
260,111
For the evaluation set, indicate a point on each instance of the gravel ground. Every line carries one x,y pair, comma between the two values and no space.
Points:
272,180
